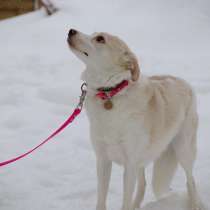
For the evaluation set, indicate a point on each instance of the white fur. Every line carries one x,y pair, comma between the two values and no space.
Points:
154,119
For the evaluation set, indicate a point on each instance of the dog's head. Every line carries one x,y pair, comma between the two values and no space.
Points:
107,58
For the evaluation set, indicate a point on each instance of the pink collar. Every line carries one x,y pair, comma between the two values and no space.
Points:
107,93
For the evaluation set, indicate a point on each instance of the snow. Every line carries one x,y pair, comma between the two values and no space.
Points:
40,85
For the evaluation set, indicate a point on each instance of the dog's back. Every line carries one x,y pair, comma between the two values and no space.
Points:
182,149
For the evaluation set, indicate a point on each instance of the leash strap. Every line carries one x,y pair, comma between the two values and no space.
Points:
71,118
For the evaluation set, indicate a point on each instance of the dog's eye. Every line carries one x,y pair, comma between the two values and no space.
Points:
100,39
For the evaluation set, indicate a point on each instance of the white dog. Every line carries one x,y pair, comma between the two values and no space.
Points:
146,119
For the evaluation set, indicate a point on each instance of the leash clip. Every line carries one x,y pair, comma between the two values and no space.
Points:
83,94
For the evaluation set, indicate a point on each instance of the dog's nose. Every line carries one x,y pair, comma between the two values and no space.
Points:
72,32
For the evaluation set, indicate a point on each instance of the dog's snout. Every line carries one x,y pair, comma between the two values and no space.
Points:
72,32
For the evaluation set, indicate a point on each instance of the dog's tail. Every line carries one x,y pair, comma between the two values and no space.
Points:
163,170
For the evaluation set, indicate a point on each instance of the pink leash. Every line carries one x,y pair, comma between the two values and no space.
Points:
76,112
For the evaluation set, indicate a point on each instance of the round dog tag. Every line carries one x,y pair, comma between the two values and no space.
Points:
108,104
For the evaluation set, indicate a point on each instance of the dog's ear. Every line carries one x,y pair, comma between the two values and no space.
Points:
132,65
135,70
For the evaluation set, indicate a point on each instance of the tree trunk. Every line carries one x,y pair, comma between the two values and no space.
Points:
49,7
36,4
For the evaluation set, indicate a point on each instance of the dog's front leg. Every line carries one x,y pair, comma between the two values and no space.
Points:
129,186
103,172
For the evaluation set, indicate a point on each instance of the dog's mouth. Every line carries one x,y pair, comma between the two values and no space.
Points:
85,53
82,52
72,46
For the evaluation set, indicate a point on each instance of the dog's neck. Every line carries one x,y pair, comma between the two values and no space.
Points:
97,78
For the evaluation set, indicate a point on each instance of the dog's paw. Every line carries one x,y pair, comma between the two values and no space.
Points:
135,206
100,207
199,206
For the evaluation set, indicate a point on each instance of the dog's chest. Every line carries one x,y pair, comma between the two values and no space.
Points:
108,121
116,124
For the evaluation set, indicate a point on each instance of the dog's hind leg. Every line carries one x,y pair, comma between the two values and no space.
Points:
187,165
164,169
140,189
185,149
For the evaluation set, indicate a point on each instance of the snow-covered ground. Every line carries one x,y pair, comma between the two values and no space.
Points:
40,84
